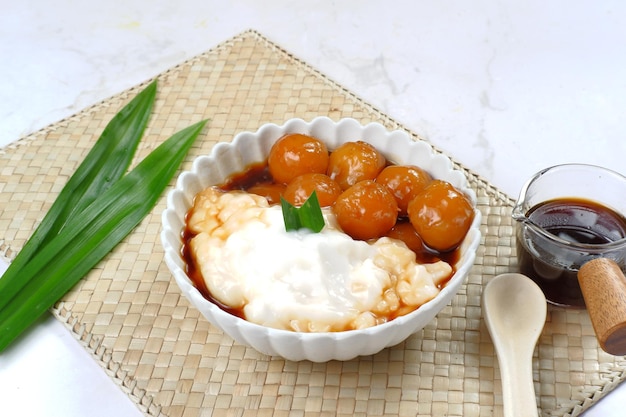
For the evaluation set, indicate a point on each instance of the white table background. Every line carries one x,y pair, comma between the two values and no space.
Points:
506,88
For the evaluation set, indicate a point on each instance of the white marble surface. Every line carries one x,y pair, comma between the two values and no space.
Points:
504,87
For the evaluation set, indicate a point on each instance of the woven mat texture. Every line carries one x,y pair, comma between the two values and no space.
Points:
130,315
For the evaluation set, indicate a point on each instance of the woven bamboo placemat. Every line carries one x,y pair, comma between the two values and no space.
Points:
129,314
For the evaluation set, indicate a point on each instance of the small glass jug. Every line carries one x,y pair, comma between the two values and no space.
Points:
566,216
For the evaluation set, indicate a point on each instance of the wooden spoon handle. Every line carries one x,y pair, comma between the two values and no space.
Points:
604,288
518,390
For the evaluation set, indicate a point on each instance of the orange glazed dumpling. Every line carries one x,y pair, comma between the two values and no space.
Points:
353,162
404,182
441,215
301,188
366,210
295,154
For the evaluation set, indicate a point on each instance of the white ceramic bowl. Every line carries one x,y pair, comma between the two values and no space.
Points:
249,147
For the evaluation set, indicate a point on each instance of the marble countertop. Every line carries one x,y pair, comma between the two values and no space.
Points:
506,88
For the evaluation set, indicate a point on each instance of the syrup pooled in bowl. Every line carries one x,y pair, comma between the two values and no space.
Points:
584,230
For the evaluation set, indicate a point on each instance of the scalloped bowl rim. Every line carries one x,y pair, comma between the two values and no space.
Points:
227,158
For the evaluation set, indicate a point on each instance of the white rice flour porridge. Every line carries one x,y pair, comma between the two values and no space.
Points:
299,280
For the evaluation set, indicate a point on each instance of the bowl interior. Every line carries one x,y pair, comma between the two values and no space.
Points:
253,147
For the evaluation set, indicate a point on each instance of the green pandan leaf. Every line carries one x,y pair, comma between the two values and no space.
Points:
308,216
75,240
105,163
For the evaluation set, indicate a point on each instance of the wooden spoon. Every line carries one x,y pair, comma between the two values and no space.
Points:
514,309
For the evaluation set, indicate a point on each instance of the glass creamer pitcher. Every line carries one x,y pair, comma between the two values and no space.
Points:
566,216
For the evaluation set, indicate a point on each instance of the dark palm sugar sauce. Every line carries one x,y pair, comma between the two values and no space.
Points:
255,174
574,220
259,174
